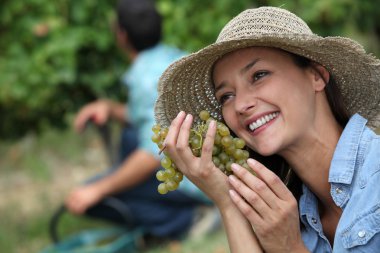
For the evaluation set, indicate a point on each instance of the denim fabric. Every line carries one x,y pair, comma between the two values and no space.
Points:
354,177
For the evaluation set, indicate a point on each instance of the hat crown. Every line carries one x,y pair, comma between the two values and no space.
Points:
263,21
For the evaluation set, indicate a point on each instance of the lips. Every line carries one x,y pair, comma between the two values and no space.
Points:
262,121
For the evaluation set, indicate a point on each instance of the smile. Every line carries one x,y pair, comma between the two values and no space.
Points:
263,120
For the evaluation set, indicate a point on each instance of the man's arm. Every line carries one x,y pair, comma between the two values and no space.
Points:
135,169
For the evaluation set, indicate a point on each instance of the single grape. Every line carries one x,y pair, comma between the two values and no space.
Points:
223,130
156,128
166,162
216,150
164,133
227,141
238,154
162,189
218,139
230,150
156,138
171,185
228,166
195,142
216,161
169,172
161,176
178,176
223,157
239,143
204,115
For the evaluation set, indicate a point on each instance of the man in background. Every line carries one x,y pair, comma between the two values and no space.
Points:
133,182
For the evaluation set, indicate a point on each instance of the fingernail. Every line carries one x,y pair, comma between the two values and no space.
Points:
188,117
235,167
180,113
251,161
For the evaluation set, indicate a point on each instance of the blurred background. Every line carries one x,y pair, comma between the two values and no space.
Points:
55,56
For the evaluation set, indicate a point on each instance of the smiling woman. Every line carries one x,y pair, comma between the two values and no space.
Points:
305,104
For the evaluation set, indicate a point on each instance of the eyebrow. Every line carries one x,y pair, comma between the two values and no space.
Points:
242,71
249,65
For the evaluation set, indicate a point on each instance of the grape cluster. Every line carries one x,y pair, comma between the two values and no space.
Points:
226,150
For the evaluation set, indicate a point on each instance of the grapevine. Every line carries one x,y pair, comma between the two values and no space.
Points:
226,150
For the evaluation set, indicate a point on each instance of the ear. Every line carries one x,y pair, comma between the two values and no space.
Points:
121,37
321,76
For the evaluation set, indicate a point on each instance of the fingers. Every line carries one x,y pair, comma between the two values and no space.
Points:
255,201
208,143
271,180
245,208
80,121
97,111
183,139
74,204
171,138
254,186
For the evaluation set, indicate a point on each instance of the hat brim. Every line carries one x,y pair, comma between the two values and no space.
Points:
186,85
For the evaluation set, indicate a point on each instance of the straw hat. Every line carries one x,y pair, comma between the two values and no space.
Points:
187,83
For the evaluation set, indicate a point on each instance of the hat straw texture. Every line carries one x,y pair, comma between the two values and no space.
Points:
187,85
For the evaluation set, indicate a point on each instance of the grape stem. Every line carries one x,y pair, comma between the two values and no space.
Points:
161,150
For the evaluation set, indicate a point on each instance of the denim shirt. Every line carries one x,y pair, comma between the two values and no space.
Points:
354,177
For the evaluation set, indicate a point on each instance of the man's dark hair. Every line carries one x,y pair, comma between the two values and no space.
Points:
141,21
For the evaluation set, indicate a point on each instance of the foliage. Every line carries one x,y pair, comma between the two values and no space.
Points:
57,55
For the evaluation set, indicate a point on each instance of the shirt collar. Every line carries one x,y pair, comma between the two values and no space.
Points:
308,203
141,59
345,155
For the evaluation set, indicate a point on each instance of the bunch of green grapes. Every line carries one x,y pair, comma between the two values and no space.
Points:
227,150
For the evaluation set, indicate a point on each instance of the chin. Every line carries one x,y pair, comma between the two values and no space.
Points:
266,150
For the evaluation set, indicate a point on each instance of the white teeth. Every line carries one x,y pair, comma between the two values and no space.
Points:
263,120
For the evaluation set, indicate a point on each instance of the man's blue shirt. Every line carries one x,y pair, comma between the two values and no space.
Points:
142,80
354,177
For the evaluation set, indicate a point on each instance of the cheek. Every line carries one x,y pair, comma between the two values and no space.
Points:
229,118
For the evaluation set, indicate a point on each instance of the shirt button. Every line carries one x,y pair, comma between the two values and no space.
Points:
314,220
361,233
338,190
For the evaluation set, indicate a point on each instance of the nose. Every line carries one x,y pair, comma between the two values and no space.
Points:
244,101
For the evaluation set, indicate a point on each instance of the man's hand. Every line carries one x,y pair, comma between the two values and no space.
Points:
99,112
83,197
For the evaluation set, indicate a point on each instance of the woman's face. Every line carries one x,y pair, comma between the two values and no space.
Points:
266,99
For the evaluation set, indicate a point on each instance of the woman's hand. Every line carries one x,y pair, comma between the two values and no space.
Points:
213,182
269,206
200,170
